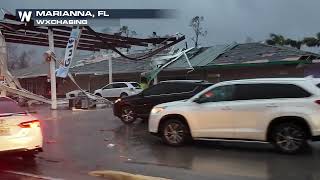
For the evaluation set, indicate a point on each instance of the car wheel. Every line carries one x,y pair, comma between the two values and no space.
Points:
123,95
98,94
175,132
127,115
289,138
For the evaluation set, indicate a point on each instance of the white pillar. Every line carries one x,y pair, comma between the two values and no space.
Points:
52,72
110,69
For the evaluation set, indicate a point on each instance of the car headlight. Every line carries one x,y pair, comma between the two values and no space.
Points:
118,100
156,110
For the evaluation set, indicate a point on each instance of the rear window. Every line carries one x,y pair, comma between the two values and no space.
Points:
119,85
183,87
9,106
269,91
136,85
170,88
155,90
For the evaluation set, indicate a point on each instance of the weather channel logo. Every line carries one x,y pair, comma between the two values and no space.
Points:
81,17
59,17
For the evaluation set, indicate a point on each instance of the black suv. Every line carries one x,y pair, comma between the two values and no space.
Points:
130,108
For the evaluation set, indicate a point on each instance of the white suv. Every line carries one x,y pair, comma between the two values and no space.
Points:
118,89
282,111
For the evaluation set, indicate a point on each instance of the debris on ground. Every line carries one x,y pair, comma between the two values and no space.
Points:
118,175
49,160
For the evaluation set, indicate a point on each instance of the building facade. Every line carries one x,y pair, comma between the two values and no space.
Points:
214,64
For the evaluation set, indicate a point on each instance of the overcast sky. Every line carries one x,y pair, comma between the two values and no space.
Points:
225,20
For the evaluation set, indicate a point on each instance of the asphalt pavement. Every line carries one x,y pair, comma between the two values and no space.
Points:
81,141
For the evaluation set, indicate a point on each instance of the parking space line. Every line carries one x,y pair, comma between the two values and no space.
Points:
32,175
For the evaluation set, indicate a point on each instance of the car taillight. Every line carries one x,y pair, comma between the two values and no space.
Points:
317,101
30,124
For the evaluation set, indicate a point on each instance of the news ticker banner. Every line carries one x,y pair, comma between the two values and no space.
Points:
83,17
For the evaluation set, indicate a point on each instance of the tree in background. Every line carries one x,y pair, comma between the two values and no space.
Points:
198,29
277,39
294,43
23,60
312,41
19,60
106,30
154,35
12,56
127,32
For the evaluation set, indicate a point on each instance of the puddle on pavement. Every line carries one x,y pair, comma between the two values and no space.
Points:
118,175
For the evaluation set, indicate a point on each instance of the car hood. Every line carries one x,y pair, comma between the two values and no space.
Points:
132,97
97,90
174,103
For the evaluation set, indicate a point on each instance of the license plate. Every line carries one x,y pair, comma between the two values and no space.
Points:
4,131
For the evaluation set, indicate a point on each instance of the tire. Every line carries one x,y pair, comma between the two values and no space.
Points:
123,95
98,94
289,138
127,115
174,132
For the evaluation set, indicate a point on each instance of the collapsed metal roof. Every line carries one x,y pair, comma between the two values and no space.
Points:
200,56
241,54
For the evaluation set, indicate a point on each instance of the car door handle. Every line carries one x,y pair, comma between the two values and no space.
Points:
226,108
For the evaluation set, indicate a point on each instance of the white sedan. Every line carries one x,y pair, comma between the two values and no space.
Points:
20,132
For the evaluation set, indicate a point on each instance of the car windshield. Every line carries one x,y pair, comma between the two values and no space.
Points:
136,85
9,106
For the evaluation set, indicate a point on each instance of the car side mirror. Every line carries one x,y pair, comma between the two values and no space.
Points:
199,100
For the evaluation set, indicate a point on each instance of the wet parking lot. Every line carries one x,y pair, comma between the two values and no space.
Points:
81,141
